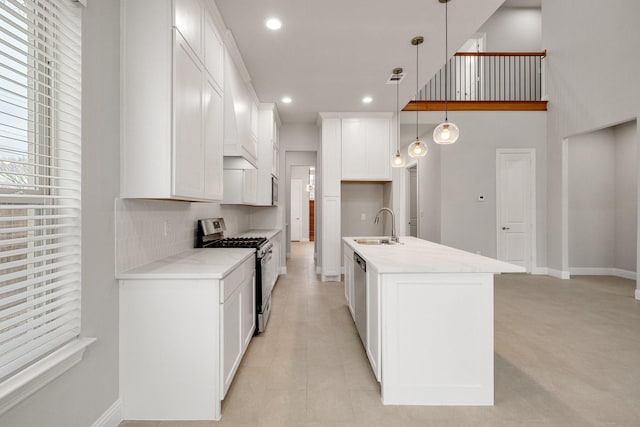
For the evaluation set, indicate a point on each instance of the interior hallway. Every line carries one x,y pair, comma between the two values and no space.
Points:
566,354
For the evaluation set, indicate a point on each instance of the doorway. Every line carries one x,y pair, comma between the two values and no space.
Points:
412,200
301,194
296,210
516,206
299,165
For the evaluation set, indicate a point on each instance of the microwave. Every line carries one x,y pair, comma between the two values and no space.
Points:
274,191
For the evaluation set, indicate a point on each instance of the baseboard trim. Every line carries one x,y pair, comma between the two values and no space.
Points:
543,271
111,417
626,274
558,274
603,271
330,278
283,270
638,294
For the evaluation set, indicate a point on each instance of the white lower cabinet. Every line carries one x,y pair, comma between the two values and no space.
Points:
181,342
373,344
373,319
237,320
348,278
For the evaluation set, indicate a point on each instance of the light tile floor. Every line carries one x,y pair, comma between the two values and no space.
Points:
567,353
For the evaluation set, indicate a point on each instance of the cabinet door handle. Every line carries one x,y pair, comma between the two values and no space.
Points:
506,228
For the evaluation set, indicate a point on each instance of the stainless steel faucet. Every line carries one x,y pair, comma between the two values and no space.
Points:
394,236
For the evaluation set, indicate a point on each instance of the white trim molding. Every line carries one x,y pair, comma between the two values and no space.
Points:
111,417
638,294
31,379
558,274
603,271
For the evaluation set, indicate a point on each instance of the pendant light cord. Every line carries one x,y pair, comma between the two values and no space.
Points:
397,114
446,59
417,47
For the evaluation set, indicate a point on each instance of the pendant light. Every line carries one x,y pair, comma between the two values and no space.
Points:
397,161
417,147
446,132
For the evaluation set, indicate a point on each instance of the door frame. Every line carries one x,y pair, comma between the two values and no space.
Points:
533,259
407,190
297,198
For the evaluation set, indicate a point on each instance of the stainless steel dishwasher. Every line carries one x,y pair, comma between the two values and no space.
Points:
360,296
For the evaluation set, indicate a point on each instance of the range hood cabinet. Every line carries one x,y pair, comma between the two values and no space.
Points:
240,146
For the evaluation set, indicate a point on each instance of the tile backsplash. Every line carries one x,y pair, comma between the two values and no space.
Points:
149,230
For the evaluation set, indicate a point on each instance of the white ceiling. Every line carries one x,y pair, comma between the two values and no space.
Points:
329,54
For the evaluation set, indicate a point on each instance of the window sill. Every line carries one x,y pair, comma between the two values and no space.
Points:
26,382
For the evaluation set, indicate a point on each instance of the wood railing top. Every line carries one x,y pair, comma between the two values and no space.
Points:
542,53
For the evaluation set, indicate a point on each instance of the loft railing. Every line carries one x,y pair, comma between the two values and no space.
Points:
488,76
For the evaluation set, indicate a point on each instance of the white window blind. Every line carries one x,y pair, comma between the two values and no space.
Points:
39,179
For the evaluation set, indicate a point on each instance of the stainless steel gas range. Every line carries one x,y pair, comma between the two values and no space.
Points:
211,235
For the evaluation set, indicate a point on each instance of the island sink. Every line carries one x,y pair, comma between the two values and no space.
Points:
374,241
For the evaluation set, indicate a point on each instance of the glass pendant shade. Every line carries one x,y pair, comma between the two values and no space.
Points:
397,161
418,149
446,133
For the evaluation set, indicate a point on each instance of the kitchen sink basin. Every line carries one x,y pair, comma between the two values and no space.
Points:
374,241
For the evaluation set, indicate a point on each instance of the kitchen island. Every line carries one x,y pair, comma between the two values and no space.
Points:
429,320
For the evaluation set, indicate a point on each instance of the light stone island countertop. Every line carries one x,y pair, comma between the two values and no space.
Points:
206,263
413,255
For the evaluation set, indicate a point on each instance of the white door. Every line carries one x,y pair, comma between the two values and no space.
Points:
296,210
515,206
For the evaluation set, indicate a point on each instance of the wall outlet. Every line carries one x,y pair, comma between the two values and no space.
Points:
363,217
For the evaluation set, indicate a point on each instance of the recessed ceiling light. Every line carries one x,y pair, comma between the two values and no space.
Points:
286,100
367,99
273,24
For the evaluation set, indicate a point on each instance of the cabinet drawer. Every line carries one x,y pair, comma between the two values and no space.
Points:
234,279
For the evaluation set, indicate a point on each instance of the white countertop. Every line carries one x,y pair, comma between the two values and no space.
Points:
269,234
208,263
414,255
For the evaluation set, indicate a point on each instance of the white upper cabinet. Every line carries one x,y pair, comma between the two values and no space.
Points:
213,52
213,134
239,142
188,176
187,18
172,106
366,149
269,123
253,186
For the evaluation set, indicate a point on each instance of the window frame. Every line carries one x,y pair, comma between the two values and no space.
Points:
42,130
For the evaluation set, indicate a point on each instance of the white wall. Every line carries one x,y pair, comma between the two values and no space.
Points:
592,217
603,200
467,169
592,84
82,394
362,198
514,30
626,138
141,226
